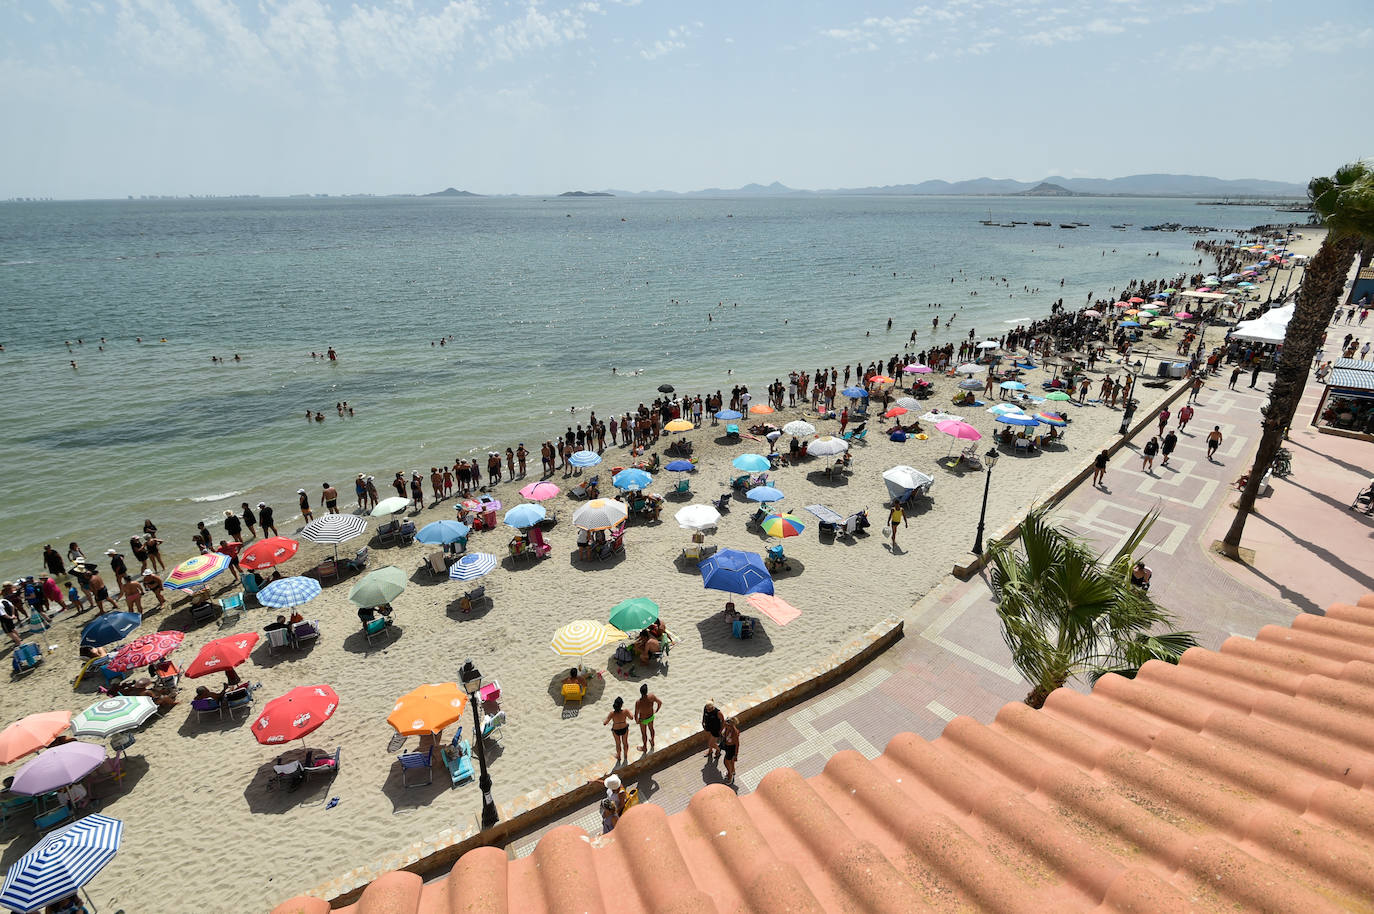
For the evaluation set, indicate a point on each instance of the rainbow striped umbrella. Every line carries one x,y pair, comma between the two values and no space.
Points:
1050,418
197,570
782,525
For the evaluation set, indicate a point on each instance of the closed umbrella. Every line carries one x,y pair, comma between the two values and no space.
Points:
585,459
522,516
697,517
109,628
443,532
632,480
222,654
29,734
58,767
751,463
289,592
379,587
736,572
113,715
472,566
268,553
580,638
600,514
540,491
145,650
799,428
634,613
298,713
428,709
61,863
197,570
827,446
393,505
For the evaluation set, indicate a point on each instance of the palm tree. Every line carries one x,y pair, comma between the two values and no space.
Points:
1066,611
1344,203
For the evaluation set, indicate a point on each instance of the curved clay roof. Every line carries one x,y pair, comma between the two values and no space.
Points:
1240,780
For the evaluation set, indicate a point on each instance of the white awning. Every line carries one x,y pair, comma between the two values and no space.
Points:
1270,327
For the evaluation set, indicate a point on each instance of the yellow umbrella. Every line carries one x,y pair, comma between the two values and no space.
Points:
679,425
577,639
428,709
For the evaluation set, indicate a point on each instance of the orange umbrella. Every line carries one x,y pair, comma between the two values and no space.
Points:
428,709
760,409
31,734
881,379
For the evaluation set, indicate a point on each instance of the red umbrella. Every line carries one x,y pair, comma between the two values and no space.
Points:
296,714
895,411
222,654
267,553
145,650
1136,301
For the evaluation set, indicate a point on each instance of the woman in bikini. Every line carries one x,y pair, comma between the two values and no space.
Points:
619,719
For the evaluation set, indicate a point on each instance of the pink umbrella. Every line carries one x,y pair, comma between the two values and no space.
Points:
145,650
540,491
1122,304
1092,313
1182,315
780,611
1205,289
917,369
957,430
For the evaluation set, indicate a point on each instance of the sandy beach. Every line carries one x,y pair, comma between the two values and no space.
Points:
201,821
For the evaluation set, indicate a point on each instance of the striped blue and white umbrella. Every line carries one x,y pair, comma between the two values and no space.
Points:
334,528
61,863
585,459
289,592
472,566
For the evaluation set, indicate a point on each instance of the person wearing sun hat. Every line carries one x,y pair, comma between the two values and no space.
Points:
305,505
267,519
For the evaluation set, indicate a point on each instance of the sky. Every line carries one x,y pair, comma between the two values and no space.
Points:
108,98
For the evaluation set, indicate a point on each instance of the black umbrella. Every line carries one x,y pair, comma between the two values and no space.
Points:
665,388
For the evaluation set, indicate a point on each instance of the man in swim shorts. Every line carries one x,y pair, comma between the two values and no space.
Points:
646,707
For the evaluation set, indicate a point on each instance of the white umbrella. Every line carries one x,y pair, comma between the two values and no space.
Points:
799,428
393,505
970,384
903,479
828,446
1001,408
970,368
697,517
600,514
989,344
937,416
908,403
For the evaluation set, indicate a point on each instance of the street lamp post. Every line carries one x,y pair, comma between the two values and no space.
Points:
471,679
990,458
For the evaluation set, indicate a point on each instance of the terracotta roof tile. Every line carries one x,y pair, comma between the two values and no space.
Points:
1241,779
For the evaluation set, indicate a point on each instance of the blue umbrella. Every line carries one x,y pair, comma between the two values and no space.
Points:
751,463
854,393
736,572
585,459
289,592
680,466
1160,295
1017,419
1129,324
522,516
443,531
632,480
61,863
729,414
109,628
763,493
1013,385
471,566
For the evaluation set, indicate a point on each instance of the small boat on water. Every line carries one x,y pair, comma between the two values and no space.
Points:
1068,225
1082,224
1039,223
1014,222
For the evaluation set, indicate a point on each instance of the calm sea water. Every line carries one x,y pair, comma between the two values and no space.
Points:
542,299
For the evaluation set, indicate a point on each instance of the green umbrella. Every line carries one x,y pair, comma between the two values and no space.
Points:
1057,395
636,612
1160,324
381,586
113,714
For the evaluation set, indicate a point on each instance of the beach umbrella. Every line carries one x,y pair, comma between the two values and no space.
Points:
729,414
113,715
680,466
197,570
60,864
522,516
378,587
970,369
1057,395
938,416
763,494
908,402
479,505
679,425
109,628
902,480
428,709
222,654
1017,419
1245,285
298,713
1050,418
540,491
896,411
1129,324
799,428
665,388
58,767
855,393
585,459
600,514
779,610
580,638
632,480
443,532
288,592
783,525
737,572
393,505
1183,315
267,553
1002,408
989,344
634,613
1131,311
1136,300
471,566
958,430
145,650
827,446
1121,304
761,409
881,380
1160,324
970,384
1092,313
1012,385
917,368
697,517
1171,290
334,529
751,463
31,733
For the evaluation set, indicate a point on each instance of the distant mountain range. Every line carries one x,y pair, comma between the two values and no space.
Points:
1055,185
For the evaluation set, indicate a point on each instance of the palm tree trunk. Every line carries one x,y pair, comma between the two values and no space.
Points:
1322,282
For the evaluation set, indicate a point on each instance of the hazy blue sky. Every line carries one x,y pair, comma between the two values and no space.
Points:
279,96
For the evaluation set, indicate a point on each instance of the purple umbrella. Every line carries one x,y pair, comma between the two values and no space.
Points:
58,767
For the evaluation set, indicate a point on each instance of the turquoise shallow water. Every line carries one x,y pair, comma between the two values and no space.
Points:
542,297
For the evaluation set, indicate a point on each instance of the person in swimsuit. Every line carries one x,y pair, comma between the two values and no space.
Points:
306,513
331,498
729,741
712,721
139,551
646,707
619,719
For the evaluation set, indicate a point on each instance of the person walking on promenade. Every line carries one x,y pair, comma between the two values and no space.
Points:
1167,447
1235,373
1197,389
1163,419
1213,441
1147,455
1185,415
1100,468
1126,416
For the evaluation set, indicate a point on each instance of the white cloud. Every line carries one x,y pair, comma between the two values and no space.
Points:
535,31
675,41
158,35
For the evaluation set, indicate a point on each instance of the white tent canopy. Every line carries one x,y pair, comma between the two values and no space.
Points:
1205,296
1270,327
